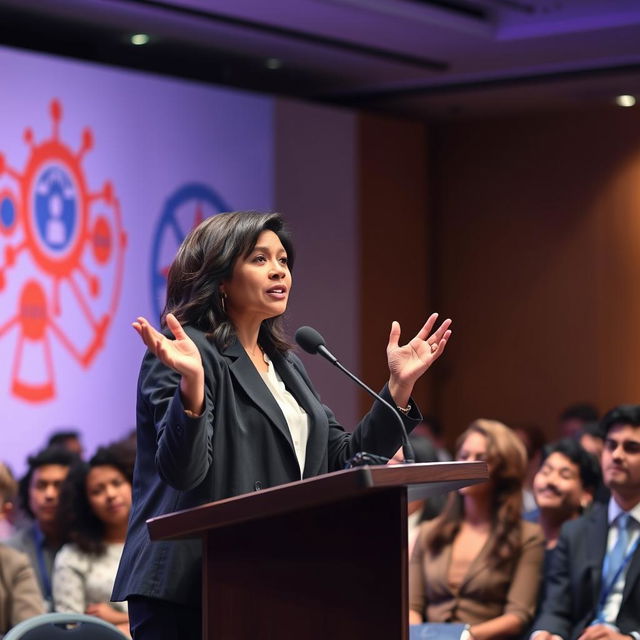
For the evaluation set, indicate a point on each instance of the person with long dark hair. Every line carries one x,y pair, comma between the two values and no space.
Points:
225,407
95,502
479,563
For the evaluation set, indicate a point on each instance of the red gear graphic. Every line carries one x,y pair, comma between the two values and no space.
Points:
100,235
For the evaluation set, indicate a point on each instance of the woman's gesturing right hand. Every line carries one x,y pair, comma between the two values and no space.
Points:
180,354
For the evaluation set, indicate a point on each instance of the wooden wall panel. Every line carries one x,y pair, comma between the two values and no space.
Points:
394,252
537,223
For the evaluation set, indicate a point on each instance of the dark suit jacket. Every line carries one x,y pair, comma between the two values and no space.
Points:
24,540
574,581
240,444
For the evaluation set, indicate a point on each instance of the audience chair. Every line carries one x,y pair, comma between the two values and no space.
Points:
64,626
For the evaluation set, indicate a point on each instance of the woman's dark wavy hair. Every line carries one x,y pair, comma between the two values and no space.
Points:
206,259
76,520
507,459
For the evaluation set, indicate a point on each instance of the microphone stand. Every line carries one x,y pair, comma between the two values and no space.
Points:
407,449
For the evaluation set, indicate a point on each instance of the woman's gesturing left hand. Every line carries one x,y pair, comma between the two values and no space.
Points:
408,362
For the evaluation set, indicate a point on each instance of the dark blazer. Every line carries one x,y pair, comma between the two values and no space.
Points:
574,581
240,443
24,541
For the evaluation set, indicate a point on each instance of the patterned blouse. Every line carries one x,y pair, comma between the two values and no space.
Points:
80,579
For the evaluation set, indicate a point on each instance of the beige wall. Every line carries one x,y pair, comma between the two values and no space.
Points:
353,190
316,189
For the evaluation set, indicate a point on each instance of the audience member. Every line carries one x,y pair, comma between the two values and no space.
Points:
431,428
479,562
39,490
593,590
574,417
563,488
533,439
20,596
591,437
95,502
69,440
8,495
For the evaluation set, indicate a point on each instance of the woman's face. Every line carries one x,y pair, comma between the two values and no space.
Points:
109,494
473,449
260,284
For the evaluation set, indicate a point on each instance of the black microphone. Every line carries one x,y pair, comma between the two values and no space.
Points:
312,342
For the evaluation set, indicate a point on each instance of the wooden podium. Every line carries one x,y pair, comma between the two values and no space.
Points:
320,559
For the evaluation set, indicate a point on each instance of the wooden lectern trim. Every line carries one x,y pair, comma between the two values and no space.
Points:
420,479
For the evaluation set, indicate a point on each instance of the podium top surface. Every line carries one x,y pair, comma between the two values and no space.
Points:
421,481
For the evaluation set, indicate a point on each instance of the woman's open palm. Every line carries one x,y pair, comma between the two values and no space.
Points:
180,354
408,362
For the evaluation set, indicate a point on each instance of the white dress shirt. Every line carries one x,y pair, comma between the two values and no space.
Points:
614,598
294,414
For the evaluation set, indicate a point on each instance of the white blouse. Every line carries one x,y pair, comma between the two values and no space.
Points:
294,414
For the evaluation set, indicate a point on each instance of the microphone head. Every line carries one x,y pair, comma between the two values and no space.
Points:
309,339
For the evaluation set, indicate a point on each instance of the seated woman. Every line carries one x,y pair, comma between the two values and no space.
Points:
20,596
479,563
95,501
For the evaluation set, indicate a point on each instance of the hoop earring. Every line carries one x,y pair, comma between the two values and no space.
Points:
223,297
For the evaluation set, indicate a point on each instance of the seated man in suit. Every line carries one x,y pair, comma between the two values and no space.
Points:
593,589
563,486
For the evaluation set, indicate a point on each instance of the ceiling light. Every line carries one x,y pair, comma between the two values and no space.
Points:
625,101
139,39
273,63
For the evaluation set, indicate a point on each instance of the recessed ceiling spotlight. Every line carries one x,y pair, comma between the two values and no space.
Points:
139,39
625,101
273,63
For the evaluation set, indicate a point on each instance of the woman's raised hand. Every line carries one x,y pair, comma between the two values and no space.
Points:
408,362
180,354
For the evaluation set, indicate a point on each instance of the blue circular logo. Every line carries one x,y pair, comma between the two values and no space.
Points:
56,209
7,212
184,210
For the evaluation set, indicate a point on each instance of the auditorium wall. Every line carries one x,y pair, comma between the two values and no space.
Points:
536,223
97,189
522,229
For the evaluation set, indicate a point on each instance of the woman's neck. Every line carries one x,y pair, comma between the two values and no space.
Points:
115,532
247,333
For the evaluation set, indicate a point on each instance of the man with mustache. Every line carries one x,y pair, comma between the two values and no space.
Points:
563,486
593,588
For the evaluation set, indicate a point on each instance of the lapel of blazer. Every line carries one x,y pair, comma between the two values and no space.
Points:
632,574
597,531
438,572
478,565
295,384
257,391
